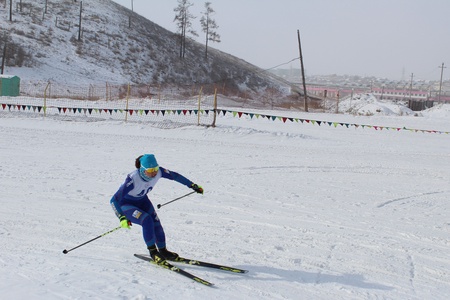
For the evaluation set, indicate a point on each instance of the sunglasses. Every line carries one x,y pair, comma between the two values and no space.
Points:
150,170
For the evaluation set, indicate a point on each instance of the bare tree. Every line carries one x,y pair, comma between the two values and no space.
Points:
183,18
209,26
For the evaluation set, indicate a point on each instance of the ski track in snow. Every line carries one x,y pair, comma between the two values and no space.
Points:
312,212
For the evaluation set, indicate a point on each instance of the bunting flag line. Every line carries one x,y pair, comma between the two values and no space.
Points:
219,112
75,110
239,114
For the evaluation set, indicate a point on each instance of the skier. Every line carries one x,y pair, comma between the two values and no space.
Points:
132,205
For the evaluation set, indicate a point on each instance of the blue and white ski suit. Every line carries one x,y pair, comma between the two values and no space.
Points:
131,200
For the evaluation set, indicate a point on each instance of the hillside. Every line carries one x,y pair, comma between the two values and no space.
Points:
116,46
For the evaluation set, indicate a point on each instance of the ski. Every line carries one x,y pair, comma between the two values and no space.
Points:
199,263
175,269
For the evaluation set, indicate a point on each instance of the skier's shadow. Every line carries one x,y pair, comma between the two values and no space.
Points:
274,274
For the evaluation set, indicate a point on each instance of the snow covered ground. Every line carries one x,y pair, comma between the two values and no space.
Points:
313,212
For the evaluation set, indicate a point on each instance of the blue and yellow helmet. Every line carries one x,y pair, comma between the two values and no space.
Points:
149,164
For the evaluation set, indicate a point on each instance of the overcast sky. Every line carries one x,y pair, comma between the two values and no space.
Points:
384,38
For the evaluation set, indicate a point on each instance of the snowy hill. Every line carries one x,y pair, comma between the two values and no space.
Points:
368,104
115,45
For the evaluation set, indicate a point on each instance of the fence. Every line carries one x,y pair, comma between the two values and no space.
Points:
123,103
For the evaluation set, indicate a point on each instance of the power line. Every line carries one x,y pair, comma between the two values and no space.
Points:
282,64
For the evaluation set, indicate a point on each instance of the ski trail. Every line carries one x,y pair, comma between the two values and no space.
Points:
408,197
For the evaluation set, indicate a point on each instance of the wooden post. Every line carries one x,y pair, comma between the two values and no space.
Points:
199,99
303,71
215,109
45,99
126,109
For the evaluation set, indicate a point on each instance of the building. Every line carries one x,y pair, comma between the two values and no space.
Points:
9,85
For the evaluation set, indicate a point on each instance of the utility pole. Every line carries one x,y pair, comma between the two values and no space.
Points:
410,90
10,10
4,58
79,24
440,85
129,16
303,71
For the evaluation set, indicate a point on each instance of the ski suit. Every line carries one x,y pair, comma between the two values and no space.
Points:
131,200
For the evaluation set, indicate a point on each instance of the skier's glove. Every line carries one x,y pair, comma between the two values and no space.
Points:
124,222
197,188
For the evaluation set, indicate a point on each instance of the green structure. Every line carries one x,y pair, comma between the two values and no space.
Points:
9,85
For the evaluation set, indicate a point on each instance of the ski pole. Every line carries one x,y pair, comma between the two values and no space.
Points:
67,251
161,205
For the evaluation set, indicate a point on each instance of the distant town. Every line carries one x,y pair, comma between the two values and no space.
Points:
340,86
